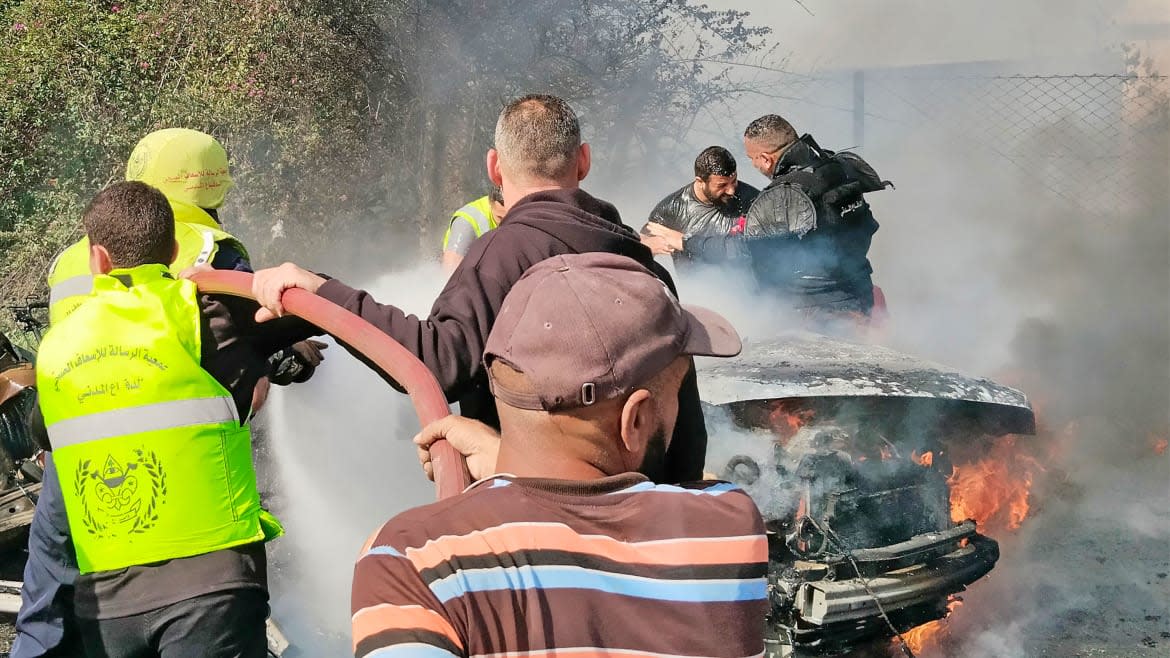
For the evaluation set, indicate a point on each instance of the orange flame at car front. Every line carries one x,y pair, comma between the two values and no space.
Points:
930,636
786,420
994,491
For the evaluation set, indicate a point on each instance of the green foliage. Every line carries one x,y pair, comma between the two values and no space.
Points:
349,124
81,82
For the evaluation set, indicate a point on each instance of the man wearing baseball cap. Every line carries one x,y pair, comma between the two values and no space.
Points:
570,544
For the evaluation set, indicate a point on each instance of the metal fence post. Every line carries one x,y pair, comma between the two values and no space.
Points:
858,108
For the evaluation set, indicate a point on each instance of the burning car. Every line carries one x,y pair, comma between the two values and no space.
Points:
850,451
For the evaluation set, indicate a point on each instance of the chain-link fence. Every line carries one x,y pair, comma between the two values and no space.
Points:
1097,142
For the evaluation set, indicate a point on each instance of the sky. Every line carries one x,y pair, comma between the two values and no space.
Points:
846,34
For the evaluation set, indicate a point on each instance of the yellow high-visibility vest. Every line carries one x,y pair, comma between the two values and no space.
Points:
478,213
153,460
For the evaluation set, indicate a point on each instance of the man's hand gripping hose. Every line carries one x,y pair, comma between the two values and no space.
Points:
450,473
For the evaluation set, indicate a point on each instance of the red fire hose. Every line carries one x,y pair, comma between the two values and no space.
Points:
451,476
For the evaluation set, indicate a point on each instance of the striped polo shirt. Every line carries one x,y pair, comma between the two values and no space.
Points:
521,567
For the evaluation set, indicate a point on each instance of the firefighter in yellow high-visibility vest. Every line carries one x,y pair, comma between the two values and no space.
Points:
191,169
467,224
147,400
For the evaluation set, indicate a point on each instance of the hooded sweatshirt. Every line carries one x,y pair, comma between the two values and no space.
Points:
451,340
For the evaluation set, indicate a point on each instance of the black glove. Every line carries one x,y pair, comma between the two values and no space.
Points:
296,364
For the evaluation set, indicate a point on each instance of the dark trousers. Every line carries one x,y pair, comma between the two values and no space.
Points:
45,626
227,624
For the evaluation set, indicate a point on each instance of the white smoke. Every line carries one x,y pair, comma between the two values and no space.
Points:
841,34
343,463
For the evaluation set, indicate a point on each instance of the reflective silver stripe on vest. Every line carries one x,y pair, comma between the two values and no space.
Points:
146,418
74,286
481,223
208,246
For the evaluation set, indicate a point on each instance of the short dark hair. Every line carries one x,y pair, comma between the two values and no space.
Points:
714,160
134,222
538,135
772,130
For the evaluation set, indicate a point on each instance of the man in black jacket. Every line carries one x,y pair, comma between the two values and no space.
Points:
808,233
538,162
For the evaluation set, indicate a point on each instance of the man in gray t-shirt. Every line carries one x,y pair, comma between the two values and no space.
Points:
713,203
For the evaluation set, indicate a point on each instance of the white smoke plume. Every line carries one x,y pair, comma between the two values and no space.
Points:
340,464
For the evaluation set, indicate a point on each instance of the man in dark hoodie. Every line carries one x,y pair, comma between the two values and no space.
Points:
538,162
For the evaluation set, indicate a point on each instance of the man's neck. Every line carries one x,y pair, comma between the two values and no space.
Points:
543,464
514,193
698,192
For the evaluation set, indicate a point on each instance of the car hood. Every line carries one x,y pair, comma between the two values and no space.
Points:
805,366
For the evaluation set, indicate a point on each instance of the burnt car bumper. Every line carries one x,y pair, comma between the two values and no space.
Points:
830,615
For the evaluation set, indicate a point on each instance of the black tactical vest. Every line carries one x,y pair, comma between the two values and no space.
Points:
809,231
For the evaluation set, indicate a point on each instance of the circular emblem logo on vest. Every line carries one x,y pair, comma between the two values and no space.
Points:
122,495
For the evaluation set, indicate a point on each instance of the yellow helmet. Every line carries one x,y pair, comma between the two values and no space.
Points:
186,165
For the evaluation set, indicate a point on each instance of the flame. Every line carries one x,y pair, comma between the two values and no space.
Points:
993,488
932,634
994,491
786,421
926,459
1159,444
801,512
990,482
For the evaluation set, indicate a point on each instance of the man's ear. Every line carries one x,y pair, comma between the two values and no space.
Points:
638,422
584,160
495,175
99,260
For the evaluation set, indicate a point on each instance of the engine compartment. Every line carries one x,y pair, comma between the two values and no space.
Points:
861,540
847,450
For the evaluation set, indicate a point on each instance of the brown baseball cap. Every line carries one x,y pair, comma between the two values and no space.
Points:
585,328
